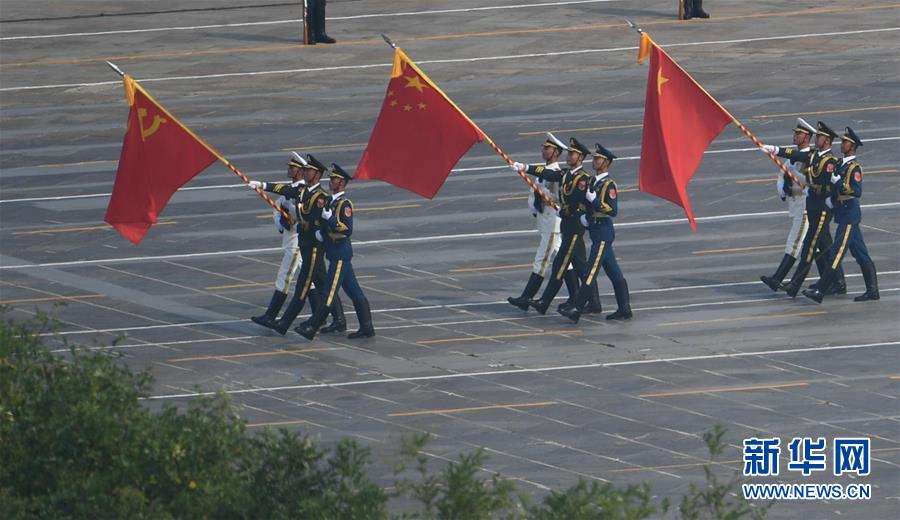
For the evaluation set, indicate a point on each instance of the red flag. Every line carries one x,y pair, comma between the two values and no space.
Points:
680,120
159,155
420,134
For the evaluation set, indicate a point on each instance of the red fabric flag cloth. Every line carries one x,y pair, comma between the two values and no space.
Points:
420,134
159,155
680,120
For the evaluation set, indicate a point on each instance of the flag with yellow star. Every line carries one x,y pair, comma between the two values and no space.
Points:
680,121
159,155
419,135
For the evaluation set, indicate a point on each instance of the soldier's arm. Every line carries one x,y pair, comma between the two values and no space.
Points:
794,154
606,201
544,173
281,188
341,224
849,185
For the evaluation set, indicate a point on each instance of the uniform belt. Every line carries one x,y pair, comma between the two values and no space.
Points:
598,218
816,189
843,198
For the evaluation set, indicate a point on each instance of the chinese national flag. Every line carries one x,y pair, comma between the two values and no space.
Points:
159,155
680,120
420,134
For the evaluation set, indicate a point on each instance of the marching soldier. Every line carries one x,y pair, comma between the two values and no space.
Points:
602,206
290,259
796,199
817,241
548,226
335,229
310,205
846,182
573,182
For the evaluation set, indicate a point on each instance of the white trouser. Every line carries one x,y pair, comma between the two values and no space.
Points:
290,261
548,225
799,224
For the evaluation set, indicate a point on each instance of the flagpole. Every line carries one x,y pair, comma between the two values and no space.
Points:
206,145
734,120
493,145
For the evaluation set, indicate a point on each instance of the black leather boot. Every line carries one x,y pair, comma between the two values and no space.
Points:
793,287
687,9
593,305
871,279
531,288
310,327
364,315
697,11
275,304
839,285
290,314
574,311
573,283
623,300
546,299
319,18
338,321
774,281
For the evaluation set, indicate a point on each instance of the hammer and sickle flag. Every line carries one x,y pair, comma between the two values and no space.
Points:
159,155
420,133
680,121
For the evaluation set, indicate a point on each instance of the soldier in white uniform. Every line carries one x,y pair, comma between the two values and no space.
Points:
795,196
290,259
548,226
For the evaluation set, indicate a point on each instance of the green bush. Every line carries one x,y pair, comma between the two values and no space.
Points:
77,442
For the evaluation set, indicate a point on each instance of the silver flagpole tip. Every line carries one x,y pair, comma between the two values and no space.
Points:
115,68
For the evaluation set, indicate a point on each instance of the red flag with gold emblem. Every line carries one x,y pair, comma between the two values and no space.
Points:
420,134
159,155
680,120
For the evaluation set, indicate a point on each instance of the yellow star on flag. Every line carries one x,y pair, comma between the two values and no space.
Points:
660,79
407,108
422,106
415,82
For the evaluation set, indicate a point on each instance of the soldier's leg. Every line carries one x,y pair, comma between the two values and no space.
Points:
861,253
838,285
580,264
831,269
543,260
792,249
360,304
338,321
558,271
698,11
290,260
573,312
620,286
336,272
807,253
304,282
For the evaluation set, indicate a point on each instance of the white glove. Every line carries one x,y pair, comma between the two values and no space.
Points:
326,213
829,203
835,178
517,166
768,148
319,236
584,221
276,216
256,184
780,184
591,195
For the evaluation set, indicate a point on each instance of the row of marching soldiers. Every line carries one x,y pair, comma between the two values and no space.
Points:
833,189
586,202
319,229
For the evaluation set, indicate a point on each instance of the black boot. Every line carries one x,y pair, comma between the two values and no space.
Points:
290,314
839,285
338,322
787,261
697,11
573,283
546,299
593,305
310,327
871,279
793,287
687,9
574,311
268,318
623,300
531,288
319,19
364,315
